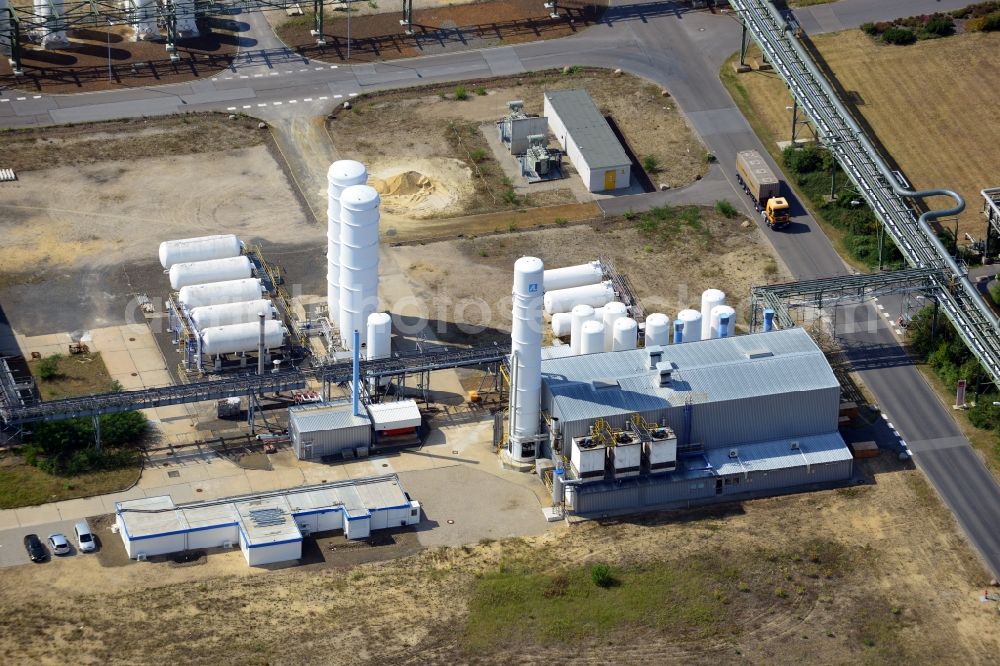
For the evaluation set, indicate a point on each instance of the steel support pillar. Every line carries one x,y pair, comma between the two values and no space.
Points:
170,18
96,419
744,43
15,42
553,7
795,118
407,20
318,23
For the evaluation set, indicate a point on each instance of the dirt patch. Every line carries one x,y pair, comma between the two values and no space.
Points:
406,190
436,29
84,66
78,374
444,139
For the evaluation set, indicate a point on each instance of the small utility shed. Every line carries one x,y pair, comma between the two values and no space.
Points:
390,419
587,139
327,428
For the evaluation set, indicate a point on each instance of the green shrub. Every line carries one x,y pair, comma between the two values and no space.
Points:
725,208
561,221
991,23
601,576
509,196
869,28
481,91
48,367
939,25
477,155
650,164
899,36
461,93
995,291
805,159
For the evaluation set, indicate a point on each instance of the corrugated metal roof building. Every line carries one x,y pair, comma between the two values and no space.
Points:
326,429
587,139
749,388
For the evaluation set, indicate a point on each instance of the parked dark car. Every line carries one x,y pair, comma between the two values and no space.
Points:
36,551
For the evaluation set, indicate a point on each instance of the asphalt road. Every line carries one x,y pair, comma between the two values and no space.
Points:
12,541
678,49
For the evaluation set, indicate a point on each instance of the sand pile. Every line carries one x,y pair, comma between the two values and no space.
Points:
408,184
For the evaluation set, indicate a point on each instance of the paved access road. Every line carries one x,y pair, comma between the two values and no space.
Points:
678,49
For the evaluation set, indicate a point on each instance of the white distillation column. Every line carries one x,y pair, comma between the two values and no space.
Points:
341,175
144,26
526,358
187,26
50,28
359,216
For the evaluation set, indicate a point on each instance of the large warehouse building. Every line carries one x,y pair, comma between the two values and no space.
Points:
588,140
681,424
268,527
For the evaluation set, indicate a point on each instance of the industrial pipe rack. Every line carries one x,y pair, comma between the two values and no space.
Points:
840,133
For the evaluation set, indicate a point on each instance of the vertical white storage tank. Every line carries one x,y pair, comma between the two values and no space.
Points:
581,314
359,217
218,293
526,352
573,276
709,299
626,334
379,336
657,330
208,316
341,175
594,295
213,270
592,337
613,311
692,325
143,13
202,248
717,312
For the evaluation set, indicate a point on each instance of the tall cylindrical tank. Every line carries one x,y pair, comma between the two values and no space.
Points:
626,334
692,324
203,248
592,337
573,276
341,175
709,299
213,270
594,295
209,316
359,217
657,329
379,336
580,315
717,313
218,293
526,348
241,337
613,311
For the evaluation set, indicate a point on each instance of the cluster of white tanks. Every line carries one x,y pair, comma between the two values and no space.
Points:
215,284
352,249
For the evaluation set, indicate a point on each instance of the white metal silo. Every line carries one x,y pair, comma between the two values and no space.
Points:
573,276
526,358
692,325
592,337
203,248
143,16
626,334
209,316
379,336
341,175
717,312
580,315
218,293
611,313
709,299
241,337
50,24
213,270
594,295
657,330
359,216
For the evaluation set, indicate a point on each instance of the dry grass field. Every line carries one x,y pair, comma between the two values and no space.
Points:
934,106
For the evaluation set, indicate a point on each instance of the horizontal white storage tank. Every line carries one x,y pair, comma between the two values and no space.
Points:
626,334
217,293
657,330
692,325
241,337
594,295
573,276
227,314
202,248
592,337
213,270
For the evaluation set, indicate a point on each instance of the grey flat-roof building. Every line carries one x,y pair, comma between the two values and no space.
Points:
326,429
587,139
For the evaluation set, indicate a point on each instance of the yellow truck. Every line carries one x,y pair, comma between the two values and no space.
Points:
763,187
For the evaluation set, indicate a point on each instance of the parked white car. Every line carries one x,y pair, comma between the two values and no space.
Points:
84,537
58,544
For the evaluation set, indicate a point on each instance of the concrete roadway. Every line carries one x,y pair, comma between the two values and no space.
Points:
678,49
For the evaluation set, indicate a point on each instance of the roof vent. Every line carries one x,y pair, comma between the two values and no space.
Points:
760,353
733,453
795,446
665,369
655,356
601,384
